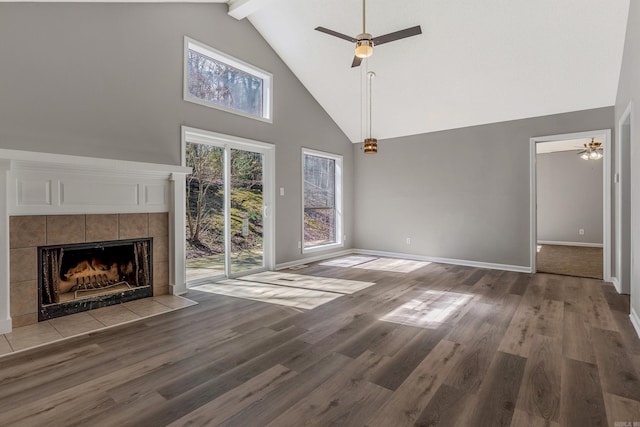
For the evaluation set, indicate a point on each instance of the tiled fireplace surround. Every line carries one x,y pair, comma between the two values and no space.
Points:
26,233
50,199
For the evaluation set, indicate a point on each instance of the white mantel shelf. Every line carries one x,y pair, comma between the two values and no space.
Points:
88,162
34,183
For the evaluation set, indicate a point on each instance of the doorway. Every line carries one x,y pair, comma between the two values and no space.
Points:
229,199
571,205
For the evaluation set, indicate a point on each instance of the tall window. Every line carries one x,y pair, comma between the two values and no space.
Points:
217,80
322,199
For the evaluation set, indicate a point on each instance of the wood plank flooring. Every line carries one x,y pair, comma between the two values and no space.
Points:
437,345
581,261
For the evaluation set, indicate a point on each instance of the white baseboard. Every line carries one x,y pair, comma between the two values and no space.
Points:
586,245
5,326
616,284
466,263
635,321
315,258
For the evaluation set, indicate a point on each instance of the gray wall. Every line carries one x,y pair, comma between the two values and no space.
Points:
460,194
629,90
569,193
105,80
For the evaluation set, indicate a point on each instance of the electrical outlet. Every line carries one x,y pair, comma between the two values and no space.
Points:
282,191
581,231
299,245
408,240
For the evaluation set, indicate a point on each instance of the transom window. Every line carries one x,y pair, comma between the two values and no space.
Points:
215,79
322,200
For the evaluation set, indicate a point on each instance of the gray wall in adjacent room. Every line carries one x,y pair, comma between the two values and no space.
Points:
460,194
629,91
105,80
569,198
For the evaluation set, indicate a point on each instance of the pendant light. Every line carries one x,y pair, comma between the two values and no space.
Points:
370,145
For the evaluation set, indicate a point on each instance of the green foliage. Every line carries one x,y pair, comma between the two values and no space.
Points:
205,200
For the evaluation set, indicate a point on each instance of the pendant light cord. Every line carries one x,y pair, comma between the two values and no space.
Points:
370,76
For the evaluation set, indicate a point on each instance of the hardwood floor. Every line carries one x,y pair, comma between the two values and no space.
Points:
440,345
579,261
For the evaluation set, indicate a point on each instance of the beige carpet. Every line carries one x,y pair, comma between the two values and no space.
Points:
570,261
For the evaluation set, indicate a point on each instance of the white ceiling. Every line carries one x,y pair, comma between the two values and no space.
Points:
566,145
476,62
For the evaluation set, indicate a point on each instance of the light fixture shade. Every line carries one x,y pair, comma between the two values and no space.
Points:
370,146
364,48
592,151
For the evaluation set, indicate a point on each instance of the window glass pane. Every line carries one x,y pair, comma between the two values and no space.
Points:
219,83
319,200
319,182
319,226
246,219
205,211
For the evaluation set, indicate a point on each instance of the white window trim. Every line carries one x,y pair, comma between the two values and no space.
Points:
338,194
267,78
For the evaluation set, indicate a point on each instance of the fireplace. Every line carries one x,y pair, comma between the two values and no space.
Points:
85,276
51,199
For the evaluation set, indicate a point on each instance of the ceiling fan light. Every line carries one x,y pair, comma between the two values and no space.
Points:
370,146
593,155
584,156
364,48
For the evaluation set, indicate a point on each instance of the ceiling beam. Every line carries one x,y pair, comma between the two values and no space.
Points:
240,9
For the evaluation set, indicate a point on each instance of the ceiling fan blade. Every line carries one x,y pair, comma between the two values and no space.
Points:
407,32
336,34
356,62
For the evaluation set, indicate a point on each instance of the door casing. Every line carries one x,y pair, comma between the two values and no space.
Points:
605,134
228,142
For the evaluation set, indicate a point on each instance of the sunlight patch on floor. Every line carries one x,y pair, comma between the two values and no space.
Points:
292,290
273,294
326,284
393,265
347,261
430,310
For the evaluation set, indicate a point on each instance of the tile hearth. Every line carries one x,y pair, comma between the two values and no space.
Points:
35,335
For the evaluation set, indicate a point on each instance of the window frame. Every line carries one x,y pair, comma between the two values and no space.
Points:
216,55
338,182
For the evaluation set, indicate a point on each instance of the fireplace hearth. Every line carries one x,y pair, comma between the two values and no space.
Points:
79,277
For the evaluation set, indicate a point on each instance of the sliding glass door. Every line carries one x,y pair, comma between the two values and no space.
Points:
205,211
247,210
228,230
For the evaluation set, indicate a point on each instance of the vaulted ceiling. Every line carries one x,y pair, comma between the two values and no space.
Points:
476,62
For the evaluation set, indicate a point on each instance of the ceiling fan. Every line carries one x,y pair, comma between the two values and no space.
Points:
365,41
591,151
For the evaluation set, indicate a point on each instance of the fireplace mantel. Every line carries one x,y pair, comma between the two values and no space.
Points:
33,183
